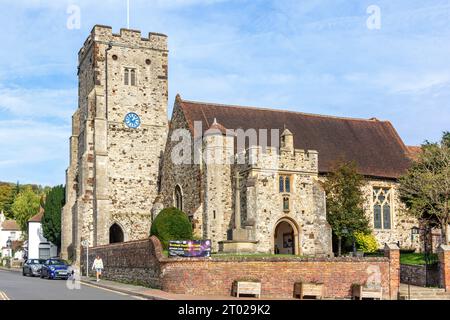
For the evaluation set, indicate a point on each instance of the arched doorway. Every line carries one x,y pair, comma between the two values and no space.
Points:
115,234
286,238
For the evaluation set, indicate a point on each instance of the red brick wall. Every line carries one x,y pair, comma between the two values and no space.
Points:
444,259
132,261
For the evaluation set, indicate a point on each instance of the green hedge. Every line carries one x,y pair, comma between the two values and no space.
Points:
171,224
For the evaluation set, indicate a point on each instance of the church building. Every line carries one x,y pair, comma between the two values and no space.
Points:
126,163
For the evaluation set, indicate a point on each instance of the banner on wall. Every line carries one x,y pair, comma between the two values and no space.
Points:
190,248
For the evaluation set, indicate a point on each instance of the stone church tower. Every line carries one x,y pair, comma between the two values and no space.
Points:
118,137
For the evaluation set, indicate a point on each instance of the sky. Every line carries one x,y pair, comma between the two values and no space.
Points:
354,58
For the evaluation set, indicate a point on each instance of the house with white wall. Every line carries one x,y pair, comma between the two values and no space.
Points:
38,246
9,230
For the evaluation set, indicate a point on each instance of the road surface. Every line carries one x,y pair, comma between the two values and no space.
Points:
14,286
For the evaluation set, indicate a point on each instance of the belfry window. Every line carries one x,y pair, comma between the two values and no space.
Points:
178,198
129,77
285,183
382,208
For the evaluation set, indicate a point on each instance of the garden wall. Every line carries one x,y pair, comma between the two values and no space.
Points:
420,275
142,262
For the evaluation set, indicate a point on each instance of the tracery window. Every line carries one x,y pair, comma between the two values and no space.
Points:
382,208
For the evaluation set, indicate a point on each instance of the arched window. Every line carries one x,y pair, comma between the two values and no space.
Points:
133,77
115,234
178,198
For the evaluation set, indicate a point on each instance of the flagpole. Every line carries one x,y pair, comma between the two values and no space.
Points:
128,14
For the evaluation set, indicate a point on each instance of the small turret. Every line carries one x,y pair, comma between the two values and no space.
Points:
287,140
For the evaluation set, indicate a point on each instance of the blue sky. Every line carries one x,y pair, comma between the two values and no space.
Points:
310,56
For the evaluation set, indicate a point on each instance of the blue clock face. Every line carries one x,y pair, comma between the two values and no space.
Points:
132,120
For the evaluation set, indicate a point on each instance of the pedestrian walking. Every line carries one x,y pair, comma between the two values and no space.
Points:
98,267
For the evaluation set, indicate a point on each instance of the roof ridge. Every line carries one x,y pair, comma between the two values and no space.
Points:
281,110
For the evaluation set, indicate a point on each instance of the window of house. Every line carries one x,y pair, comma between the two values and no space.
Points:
130,76
382,208
178,198
285,183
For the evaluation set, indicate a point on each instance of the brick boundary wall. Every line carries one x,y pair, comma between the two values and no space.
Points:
142,262
444,260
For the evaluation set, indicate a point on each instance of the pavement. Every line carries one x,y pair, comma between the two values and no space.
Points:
148,293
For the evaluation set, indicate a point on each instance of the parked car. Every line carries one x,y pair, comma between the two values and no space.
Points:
32,267
55,269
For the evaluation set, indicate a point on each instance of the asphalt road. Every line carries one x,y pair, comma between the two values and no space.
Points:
14,286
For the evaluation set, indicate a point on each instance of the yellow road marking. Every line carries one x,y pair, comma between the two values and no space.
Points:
3,296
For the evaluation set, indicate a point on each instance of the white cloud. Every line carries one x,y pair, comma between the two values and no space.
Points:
39,103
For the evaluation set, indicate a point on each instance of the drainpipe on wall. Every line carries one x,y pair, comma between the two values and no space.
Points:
106,81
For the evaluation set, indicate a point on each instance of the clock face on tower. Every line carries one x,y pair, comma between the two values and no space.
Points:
132,120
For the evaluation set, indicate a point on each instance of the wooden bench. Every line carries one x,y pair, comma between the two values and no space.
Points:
302,289
360,292
248,288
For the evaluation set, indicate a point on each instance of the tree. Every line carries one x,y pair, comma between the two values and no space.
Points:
344,198
51,221
425,188
171,224
6,198
25,206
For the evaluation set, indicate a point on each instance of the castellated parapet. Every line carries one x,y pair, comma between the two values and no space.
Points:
272,158
115,173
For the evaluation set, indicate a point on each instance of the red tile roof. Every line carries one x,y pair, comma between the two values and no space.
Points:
414,152
374,145
36,218
10,225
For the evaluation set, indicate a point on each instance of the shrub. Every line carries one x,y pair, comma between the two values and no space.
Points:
171,224
366,242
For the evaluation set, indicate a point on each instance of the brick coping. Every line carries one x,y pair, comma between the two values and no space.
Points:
245,258
275,259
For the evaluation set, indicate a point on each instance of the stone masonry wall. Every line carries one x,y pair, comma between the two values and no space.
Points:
130,262
187,176
401,223
117,168
419,276
264,201
142,262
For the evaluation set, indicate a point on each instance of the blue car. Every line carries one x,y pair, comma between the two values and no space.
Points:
55,269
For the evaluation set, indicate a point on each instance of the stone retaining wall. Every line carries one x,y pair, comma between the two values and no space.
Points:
418,275
142,262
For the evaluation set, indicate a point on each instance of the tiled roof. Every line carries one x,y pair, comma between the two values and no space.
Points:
10,225
37,218
414,152
374,145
